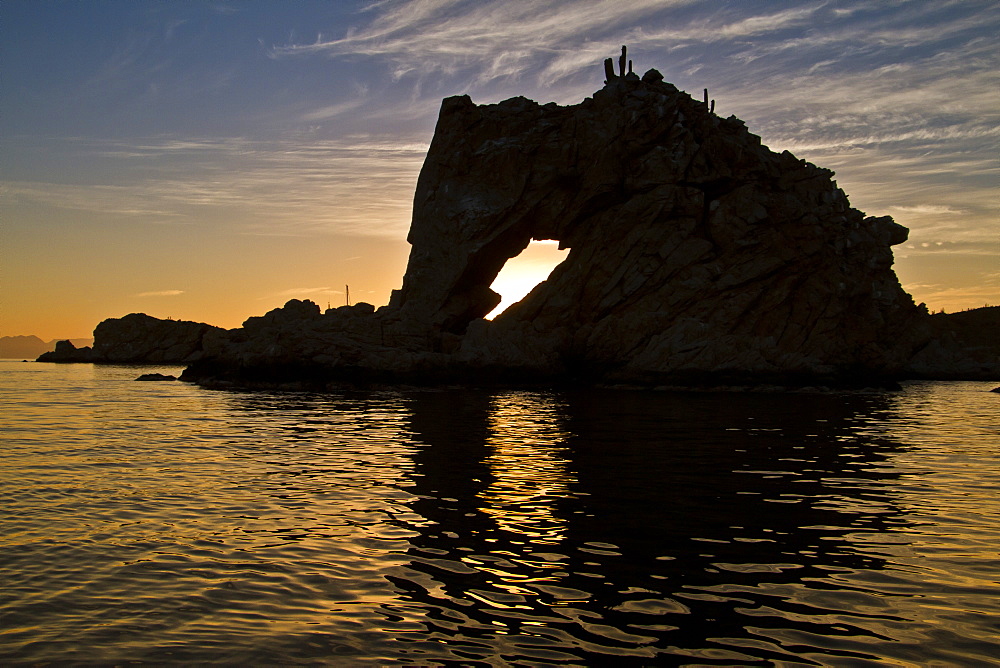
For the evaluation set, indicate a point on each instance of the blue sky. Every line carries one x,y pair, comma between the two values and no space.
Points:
210,160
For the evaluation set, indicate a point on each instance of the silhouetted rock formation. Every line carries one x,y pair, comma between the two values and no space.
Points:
66,352
965,346
693,248
138,339
156,377
696,255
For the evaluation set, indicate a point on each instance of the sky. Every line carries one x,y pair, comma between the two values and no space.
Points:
209,160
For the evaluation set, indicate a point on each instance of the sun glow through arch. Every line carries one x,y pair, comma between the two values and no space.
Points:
522,273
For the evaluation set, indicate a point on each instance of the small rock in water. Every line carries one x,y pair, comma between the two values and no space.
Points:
156,376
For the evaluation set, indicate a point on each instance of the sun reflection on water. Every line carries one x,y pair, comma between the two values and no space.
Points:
529,467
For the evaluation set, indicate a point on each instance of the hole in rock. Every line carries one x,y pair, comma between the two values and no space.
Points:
522,273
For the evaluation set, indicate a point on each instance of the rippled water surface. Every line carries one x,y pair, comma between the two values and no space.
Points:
164,523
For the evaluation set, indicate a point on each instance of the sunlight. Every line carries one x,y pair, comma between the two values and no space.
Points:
531,473
524,272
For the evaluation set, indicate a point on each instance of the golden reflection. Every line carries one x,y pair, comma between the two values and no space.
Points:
530,472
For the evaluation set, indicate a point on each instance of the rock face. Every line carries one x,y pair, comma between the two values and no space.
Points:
696,254
138,339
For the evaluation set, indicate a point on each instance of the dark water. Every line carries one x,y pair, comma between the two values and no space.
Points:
162,523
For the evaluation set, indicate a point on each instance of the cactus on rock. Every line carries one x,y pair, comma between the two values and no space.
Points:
609,70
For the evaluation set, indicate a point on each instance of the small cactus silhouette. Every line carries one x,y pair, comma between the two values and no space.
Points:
609,70
609,66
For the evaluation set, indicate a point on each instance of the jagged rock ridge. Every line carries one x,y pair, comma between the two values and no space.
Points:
695,252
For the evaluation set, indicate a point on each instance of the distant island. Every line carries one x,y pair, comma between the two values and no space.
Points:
697,257
30,346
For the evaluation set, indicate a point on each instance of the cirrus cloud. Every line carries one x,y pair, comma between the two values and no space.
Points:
161,293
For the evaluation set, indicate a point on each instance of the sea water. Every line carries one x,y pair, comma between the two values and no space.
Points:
163,523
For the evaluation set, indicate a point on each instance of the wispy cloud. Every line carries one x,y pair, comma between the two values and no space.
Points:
547,41
108,200
809,77
300,293
161,293
356,185
930,209
307,291
961,296
490,40
333,110
966,248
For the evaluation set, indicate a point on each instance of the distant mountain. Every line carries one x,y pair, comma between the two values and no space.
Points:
26,347
30,347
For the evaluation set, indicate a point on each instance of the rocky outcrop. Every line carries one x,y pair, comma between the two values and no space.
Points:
66,352
696,254
156,377
298,344
964,346
141,339
693,248
138,339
